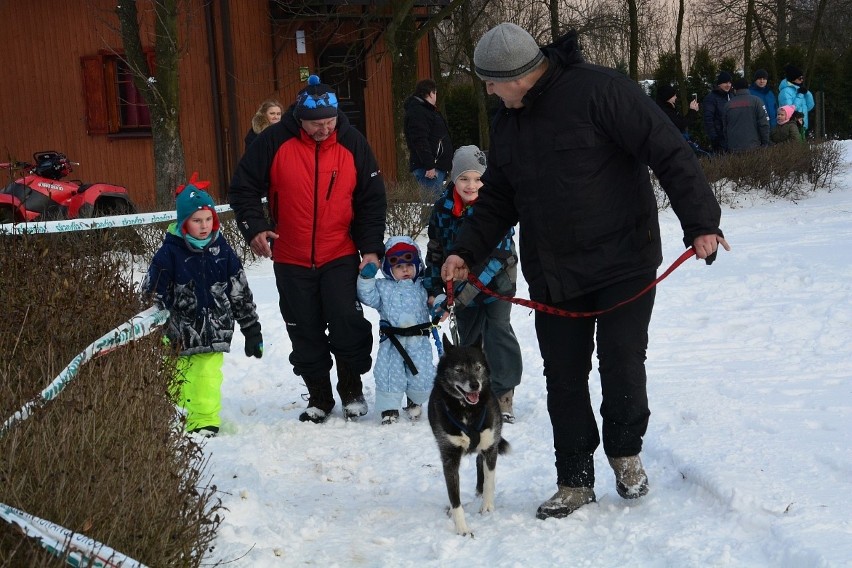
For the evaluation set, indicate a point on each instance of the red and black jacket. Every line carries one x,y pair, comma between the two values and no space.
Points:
326,199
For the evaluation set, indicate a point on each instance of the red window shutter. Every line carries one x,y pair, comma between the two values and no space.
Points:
94,94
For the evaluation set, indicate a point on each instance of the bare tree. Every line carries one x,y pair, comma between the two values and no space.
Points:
159,87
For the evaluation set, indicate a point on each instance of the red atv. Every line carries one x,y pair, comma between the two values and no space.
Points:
41,195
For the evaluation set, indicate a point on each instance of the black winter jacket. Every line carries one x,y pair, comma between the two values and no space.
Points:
572,167
427,136
680,121
746,122
713,108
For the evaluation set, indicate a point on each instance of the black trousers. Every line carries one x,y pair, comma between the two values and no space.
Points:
314,301
566,346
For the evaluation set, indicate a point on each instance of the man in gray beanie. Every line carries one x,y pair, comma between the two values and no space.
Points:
569,158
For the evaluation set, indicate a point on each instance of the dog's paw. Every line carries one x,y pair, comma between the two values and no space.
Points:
457,515
487,507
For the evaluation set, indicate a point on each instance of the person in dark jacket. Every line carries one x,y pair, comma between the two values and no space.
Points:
199,279
760,89
714,106
478,315
745,123
667,99
569,158
430,151
327,207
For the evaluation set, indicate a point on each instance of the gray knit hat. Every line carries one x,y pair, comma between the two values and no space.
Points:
506,52
468,158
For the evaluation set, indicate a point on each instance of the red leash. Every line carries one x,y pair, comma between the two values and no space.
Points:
688,253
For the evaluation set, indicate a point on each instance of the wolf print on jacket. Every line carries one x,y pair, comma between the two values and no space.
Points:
205,290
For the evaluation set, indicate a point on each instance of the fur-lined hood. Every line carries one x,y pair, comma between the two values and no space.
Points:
259,123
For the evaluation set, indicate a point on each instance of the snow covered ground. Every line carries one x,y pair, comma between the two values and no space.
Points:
748,449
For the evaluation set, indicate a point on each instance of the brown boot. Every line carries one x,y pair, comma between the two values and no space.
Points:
630,479
565,501
505,402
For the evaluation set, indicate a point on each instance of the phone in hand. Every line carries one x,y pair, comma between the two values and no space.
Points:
694,96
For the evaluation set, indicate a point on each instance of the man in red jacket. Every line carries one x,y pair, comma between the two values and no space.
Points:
327,205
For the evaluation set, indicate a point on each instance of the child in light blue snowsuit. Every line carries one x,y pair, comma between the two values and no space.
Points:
404,363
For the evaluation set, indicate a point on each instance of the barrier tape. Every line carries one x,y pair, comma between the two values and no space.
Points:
88,224
139,326
77,549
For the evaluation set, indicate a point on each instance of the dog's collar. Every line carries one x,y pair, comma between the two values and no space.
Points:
480,425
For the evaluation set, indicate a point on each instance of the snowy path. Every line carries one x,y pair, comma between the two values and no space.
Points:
748,449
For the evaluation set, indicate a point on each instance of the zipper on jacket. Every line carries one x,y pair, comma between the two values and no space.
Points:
316,207
331,184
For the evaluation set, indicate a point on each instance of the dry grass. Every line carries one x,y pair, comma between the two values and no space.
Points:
107,458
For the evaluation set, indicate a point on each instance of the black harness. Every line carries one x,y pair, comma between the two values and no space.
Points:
473,433
387,331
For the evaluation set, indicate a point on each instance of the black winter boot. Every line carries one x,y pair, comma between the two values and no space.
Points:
350,389
320,401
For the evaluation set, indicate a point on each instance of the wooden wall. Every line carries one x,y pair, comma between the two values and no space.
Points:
41,92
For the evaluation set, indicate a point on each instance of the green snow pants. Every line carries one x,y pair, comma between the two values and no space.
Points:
198,389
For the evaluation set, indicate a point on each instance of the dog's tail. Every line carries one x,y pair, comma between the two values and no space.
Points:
503,447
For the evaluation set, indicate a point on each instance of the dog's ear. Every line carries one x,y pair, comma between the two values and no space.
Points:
446,341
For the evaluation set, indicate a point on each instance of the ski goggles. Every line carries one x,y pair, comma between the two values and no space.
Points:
406,257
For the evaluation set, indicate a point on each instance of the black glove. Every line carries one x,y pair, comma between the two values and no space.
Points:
254,341
803,89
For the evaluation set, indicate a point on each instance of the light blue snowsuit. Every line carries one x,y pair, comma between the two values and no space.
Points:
400,304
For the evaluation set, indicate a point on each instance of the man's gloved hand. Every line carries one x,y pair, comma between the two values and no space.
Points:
439,306
803,89
254,341
369,271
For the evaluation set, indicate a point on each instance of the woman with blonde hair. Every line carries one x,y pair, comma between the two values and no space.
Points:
268,113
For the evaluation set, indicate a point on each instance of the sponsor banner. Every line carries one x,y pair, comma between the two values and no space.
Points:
92,223
139,325
81,550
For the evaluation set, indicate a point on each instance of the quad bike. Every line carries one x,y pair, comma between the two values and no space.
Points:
42,195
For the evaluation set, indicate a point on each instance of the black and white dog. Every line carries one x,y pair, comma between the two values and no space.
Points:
465,419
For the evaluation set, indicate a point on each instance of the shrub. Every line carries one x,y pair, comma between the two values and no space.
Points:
150,238
107,457
787,171
408,209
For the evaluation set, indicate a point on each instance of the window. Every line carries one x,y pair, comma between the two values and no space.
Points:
114,106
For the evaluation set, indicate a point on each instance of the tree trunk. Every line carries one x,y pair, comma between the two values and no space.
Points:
681,77
160,89
401,41
749,32
553,9
633,14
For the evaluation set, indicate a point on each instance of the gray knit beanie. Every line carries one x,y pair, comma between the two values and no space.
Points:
468,158
506,52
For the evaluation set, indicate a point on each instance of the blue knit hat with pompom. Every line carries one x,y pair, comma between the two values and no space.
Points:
317,101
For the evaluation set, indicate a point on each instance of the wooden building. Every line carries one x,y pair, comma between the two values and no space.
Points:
62,86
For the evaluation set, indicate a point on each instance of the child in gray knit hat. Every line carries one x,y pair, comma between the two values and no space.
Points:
482,315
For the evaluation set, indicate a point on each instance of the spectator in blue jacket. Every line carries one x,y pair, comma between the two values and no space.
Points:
760,89
793,91
714,108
